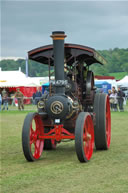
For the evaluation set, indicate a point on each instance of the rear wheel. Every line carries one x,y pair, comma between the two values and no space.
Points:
102,129
84,137
49,144
31,144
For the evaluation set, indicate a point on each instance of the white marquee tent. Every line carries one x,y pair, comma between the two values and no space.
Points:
18,78
123,82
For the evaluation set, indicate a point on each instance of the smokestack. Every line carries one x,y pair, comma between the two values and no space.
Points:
58,51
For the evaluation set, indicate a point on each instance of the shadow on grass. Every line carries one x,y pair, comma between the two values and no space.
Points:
66,152
63,152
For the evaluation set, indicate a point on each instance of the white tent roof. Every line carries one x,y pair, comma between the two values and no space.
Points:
123,82
11,75
16,79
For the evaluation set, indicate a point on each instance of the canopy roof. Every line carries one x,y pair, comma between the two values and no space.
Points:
73,52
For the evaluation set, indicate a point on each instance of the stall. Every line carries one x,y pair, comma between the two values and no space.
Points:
102,86
11,80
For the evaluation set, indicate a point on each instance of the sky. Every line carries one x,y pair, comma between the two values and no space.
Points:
26,25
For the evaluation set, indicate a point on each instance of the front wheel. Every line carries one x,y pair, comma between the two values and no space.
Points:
84,137
31,144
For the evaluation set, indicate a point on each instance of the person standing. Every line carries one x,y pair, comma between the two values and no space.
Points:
19,95
5,99
120,95
13,99
38,95
110,99
113,99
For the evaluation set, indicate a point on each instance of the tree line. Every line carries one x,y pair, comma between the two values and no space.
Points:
117,61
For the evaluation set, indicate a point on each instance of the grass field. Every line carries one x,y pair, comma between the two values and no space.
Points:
60,171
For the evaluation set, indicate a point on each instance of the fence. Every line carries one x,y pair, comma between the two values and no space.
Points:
11,104
30,104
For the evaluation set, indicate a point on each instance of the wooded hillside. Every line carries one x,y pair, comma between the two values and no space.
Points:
117,62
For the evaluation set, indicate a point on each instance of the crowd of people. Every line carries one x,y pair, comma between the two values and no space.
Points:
17,98
116,99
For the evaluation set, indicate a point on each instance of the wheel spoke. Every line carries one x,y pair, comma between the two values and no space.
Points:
38,142
88,147
37,149
32,141
31,131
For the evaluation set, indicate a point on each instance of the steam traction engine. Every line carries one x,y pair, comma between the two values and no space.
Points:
71,109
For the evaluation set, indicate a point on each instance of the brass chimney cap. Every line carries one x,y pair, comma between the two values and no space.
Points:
58,35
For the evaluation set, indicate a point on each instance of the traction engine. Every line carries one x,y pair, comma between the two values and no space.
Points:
71,109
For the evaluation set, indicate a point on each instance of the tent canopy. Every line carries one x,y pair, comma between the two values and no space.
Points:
46,84
101,82
16,79
123,82
102,86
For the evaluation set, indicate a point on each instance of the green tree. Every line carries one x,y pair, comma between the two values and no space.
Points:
117,61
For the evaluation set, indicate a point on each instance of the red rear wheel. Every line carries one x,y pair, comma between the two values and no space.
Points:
84,137
108,123
102,128
32,145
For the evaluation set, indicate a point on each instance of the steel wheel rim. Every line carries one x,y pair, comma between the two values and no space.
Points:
108,123
36,144
88,137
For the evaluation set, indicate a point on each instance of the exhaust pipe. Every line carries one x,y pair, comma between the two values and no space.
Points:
58,106
58,51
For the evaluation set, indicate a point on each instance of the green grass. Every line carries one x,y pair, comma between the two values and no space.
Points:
60,171
118,75
26,108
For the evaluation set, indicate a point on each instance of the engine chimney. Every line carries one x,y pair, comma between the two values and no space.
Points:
58,51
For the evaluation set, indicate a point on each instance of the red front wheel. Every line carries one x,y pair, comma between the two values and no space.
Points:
31,144
84,137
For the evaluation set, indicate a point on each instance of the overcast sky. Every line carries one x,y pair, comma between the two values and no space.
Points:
28,24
